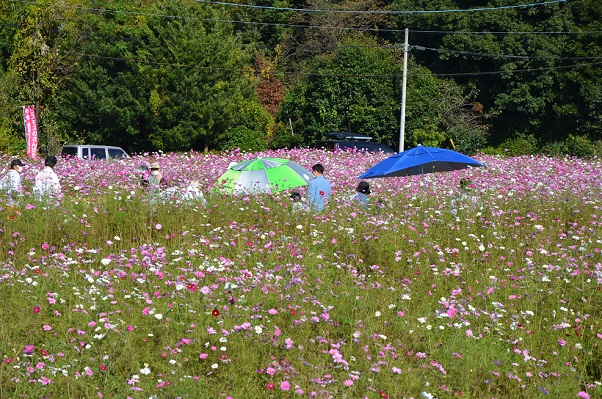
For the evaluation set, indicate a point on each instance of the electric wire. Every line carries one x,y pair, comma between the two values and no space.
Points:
300,26
507,56
279,73
289,9
383,12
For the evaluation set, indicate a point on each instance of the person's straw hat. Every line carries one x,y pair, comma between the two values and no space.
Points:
155,165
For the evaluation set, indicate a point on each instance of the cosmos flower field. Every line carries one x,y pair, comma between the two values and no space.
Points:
434,293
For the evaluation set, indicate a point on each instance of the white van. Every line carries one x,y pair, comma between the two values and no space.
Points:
93,152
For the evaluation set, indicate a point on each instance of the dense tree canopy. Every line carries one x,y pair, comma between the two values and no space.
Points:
178,74
538,67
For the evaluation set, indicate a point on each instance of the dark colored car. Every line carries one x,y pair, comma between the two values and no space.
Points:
351,141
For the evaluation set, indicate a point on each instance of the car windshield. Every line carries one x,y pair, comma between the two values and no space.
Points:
116,153
69,151
98,153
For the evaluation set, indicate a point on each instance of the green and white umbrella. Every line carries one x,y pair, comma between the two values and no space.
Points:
262,175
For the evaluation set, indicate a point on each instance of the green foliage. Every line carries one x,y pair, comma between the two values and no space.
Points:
245,139
252,133
579,146
285,138
430,136
358,89
534,87
520,144
174,75
166,84
10,143
12,137
355,89
38,63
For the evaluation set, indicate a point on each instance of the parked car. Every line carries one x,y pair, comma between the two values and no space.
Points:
93,152
349,141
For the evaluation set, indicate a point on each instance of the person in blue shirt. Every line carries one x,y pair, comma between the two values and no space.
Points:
318,190
361,195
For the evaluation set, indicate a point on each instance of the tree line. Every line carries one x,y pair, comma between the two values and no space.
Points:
174,75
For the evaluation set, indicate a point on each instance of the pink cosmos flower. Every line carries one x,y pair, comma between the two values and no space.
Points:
583,395
285,385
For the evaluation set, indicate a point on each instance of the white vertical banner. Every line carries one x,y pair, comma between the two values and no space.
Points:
31,130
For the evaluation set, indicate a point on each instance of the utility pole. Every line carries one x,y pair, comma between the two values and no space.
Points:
402,119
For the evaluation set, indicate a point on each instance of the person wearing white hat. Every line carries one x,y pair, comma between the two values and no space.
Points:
156,175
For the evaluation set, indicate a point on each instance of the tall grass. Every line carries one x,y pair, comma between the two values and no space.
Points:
114,294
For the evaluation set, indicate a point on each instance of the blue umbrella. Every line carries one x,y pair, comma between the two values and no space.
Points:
420,160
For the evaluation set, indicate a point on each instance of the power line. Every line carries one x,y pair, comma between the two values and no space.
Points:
509,56
288,9
304,26
382,12
517,70
449,32
412,47
189,66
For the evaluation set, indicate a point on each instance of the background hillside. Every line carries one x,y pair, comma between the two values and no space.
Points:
173,75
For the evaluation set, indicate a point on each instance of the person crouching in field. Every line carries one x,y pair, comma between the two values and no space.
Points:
361,194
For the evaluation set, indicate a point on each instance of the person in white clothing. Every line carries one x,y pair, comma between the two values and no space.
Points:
187,195
193,192
47,182
11,182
